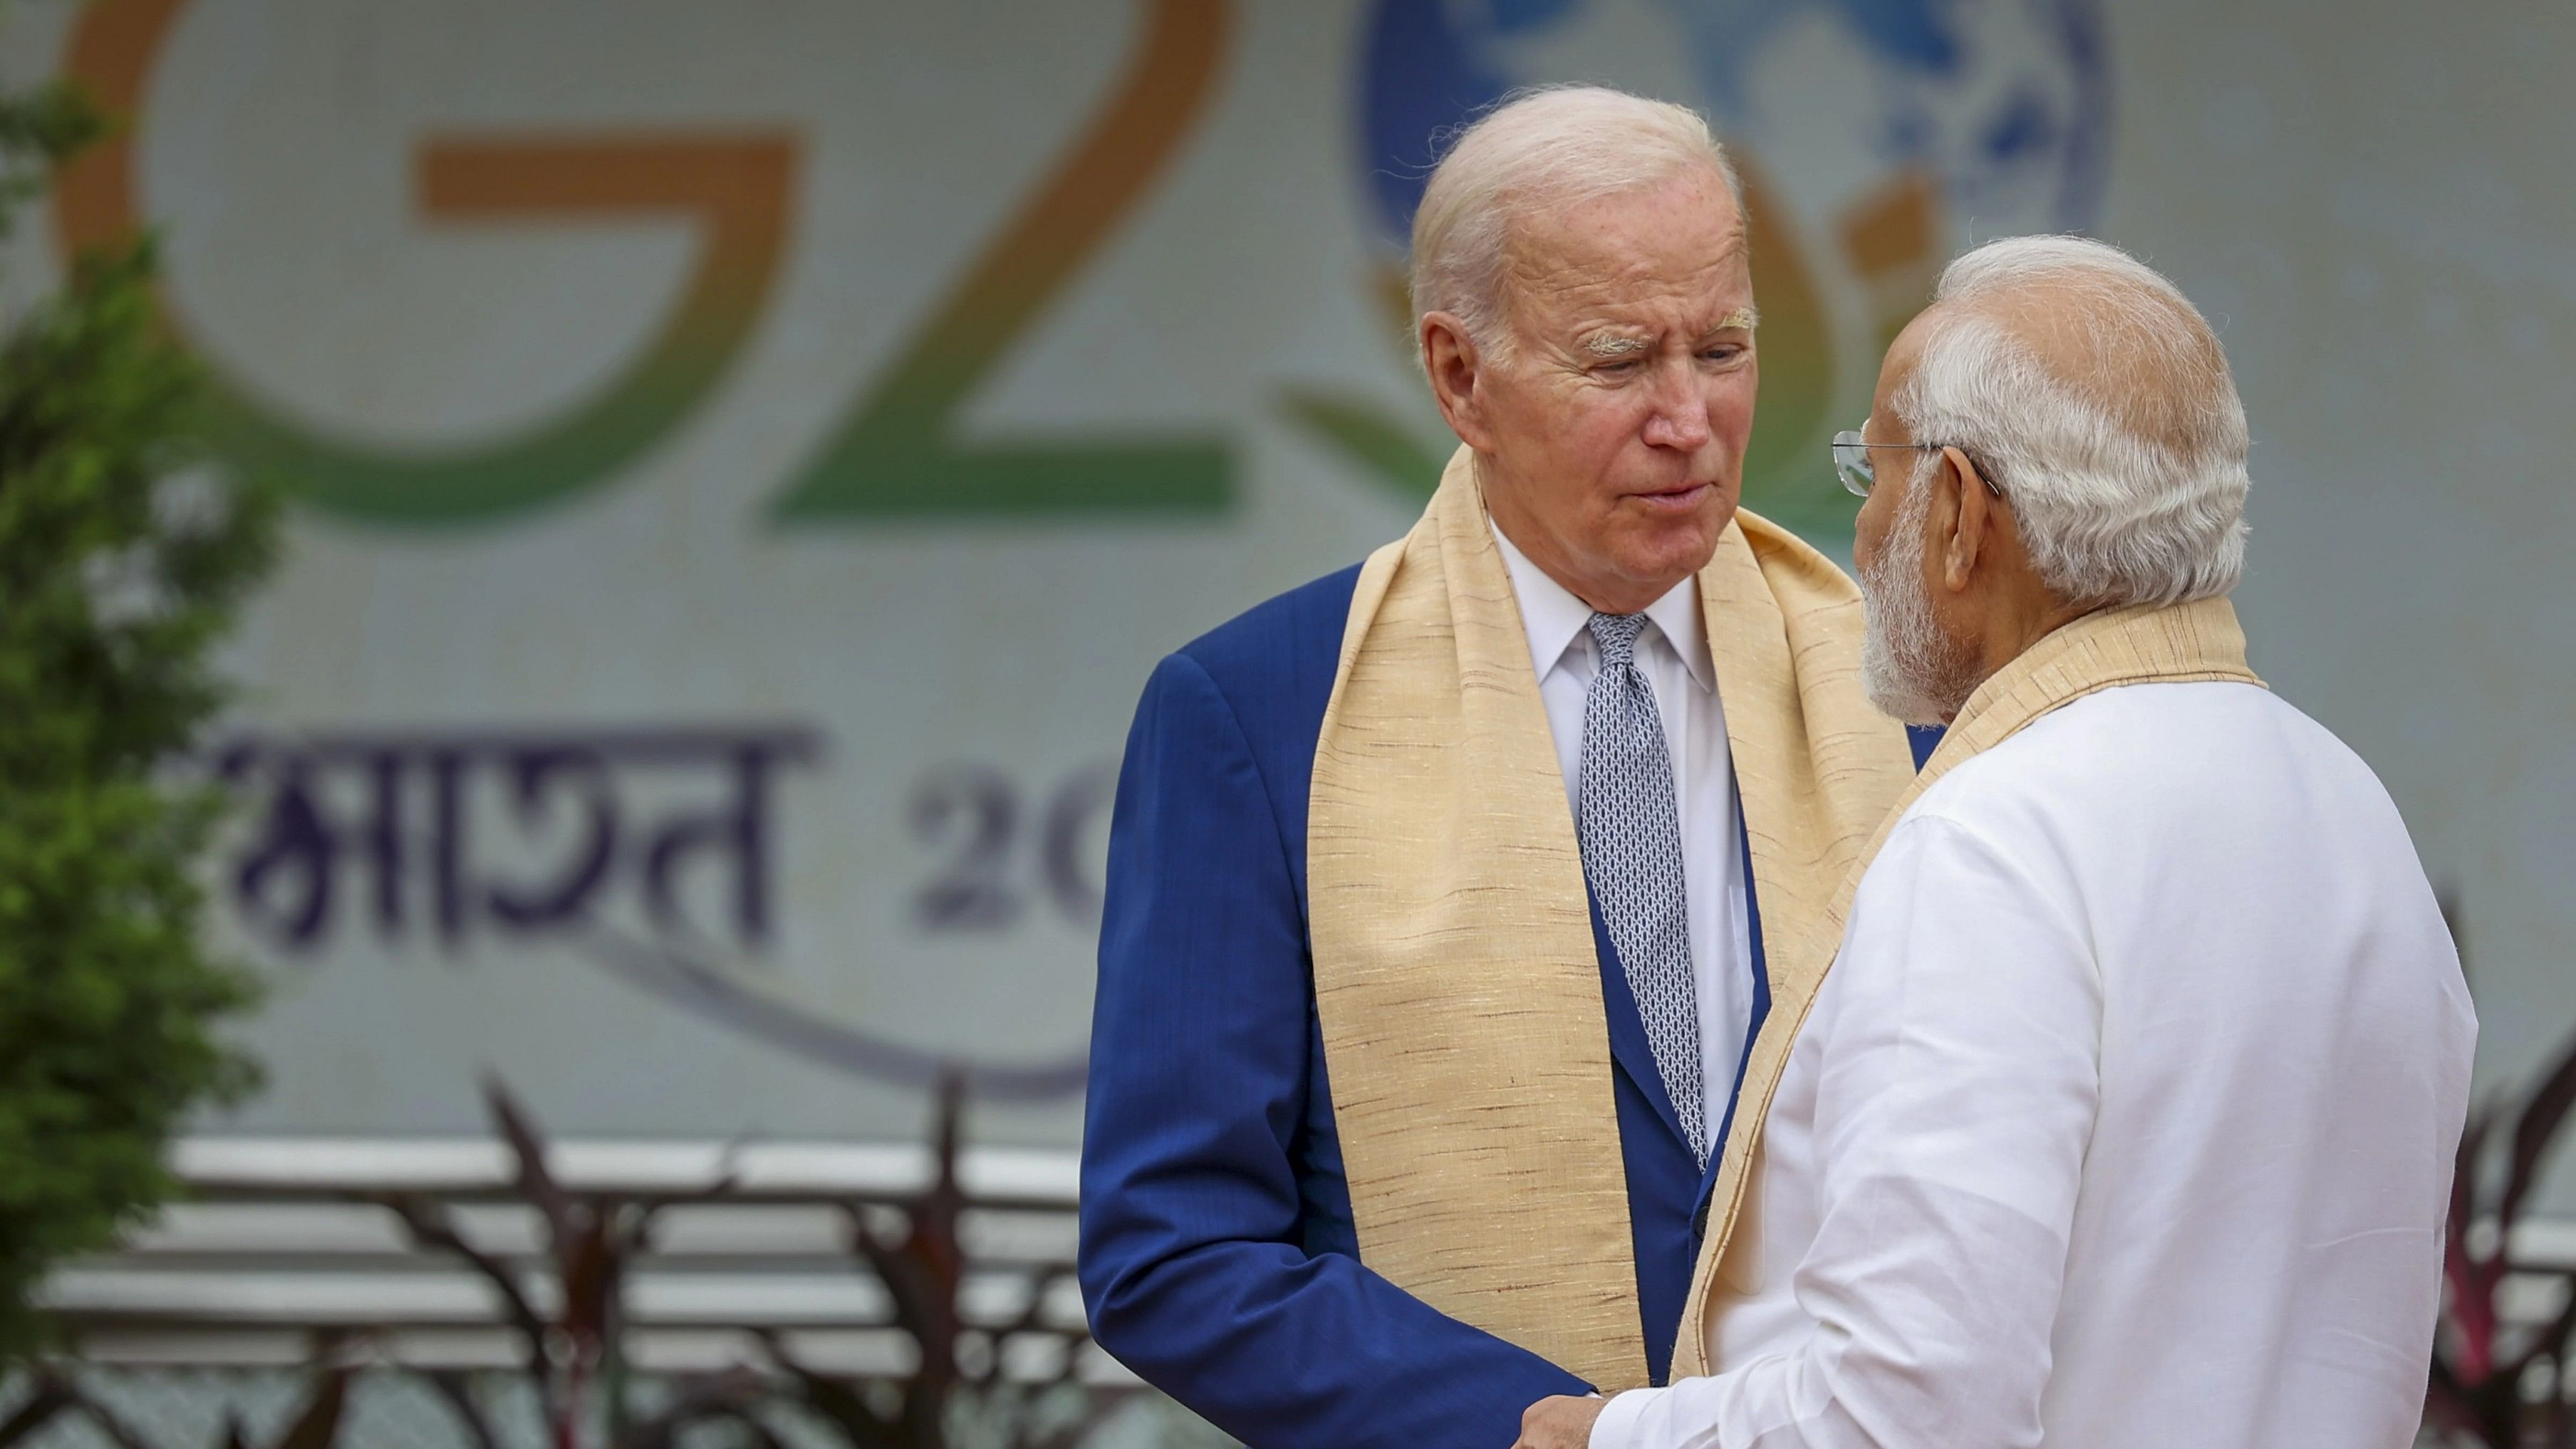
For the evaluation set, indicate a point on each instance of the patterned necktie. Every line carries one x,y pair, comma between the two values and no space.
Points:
1632,853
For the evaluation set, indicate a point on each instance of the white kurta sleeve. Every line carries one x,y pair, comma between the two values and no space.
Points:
1957,1053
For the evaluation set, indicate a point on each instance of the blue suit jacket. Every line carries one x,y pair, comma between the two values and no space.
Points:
1218,1259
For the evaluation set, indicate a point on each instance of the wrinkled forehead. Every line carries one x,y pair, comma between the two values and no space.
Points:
1667,257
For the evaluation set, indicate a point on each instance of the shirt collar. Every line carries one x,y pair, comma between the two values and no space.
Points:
1555,618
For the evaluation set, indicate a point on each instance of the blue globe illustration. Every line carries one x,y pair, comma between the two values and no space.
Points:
2005,103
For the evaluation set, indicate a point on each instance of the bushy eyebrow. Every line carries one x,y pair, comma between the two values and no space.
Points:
1614,344
1611,344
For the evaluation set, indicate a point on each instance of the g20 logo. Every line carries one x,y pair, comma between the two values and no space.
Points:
893,452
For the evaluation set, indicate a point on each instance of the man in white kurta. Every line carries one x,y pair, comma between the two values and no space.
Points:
2124,1116
2111,1125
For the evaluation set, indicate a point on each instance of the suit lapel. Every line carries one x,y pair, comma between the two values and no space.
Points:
1635,1055
1629,1049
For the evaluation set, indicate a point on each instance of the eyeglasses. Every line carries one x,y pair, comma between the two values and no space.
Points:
1851,462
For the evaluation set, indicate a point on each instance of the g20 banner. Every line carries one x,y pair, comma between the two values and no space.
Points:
749,457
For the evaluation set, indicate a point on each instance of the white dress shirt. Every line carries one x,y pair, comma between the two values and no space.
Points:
1672,652
2124,1120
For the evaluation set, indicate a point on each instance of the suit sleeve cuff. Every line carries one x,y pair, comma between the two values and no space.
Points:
1617,1426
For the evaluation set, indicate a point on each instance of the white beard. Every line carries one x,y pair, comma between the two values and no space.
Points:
1911,669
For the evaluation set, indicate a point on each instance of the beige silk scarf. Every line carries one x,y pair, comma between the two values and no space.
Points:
1455,972
2099,651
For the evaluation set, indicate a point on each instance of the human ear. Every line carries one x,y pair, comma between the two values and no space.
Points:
1969,510
1451,360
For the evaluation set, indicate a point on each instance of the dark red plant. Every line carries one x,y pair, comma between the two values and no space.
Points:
913,1245
923,1265
2485,1370
573,1358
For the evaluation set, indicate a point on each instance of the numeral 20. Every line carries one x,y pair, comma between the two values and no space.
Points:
977,818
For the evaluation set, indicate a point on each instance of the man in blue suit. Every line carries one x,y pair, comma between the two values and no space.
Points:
1438,888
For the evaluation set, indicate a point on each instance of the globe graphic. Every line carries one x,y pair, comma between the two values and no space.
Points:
1878,138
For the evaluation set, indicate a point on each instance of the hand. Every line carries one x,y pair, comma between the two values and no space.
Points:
1560,1423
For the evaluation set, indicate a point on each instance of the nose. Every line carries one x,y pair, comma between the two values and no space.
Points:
1680,418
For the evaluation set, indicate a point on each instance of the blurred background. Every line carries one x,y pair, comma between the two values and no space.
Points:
741,462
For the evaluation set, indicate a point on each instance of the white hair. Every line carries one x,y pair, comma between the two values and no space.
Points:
1544,149
2112,425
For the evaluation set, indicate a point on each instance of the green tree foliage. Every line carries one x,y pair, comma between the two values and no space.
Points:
123,558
